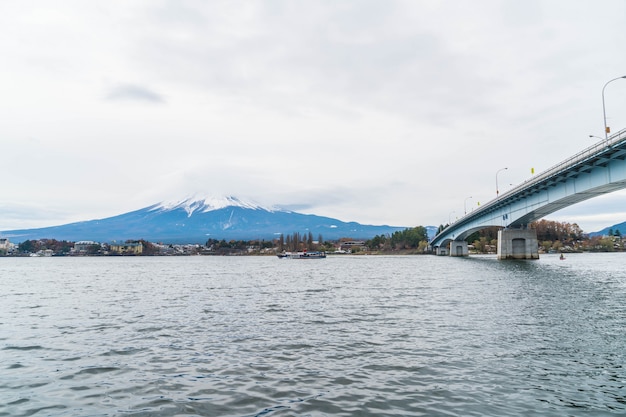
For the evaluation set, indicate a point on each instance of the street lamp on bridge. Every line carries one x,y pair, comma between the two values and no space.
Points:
497,190
607,129
465,204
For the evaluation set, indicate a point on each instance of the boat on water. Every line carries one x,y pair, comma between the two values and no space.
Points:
302,255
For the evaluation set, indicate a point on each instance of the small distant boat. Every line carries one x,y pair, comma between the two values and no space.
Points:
302,255
562,257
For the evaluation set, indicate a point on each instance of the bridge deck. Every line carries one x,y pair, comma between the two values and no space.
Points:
598,169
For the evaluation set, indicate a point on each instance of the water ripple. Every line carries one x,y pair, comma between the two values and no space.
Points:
367,336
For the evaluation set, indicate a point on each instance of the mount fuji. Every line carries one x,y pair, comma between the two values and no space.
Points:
197,219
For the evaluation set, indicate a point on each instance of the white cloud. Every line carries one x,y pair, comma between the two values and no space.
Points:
133,92
379,112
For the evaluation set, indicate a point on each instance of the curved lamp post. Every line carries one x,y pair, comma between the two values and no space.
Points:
606,128
465,204
497,190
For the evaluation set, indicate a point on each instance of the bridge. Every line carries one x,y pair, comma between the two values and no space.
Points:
597,170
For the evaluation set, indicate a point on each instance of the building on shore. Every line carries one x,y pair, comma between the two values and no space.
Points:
131,248
6,246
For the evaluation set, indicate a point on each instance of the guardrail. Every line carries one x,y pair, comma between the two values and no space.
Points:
581,156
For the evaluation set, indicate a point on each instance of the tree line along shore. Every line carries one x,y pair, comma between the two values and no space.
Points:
552,237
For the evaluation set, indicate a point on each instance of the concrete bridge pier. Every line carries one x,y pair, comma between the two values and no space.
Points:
518,244
458,248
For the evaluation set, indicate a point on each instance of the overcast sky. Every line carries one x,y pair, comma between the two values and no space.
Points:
380,112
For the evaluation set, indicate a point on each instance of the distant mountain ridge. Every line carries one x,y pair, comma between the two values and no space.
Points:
604,232
197,219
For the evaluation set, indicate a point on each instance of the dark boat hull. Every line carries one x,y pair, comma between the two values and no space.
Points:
302,255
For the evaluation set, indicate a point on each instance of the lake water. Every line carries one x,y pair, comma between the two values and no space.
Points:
341,336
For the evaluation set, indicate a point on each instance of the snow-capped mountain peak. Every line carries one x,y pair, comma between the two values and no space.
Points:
204,204
196,219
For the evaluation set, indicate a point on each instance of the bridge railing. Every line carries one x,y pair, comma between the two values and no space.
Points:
581,156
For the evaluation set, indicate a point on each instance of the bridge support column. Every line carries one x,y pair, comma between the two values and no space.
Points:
441,251
458,248
518,244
